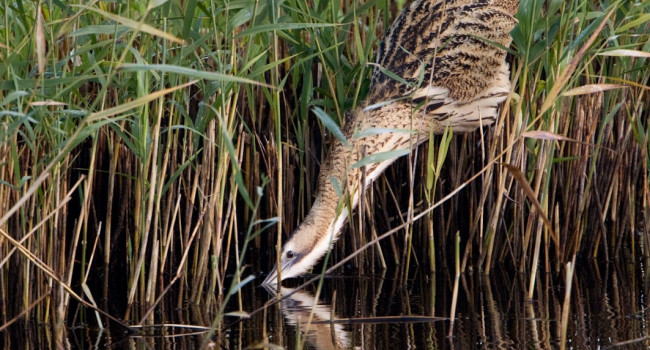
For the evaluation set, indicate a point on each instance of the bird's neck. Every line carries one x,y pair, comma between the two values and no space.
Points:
341,182
331,208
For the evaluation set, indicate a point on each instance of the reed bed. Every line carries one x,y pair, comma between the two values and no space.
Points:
163,149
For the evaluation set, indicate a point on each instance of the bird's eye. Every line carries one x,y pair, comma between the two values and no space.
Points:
289,254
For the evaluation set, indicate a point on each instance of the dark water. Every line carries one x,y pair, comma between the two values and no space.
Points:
608,308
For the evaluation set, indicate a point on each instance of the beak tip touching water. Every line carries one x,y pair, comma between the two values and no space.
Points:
272,278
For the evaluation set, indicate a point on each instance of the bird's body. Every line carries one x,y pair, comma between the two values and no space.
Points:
450,60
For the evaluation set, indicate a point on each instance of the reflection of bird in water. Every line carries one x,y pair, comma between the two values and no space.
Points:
441,64
313,319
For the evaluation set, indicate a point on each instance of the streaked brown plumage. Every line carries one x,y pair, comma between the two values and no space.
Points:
451,64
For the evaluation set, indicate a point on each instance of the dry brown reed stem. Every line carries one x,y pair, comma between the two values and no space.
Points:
113,156
61,205
208,200
55,278
92,254
606,191
499,131
566,306
179,272
24,312
28,193
173,201
81,222
194,189
373,230
387,234
408,231
454,295
157,267
164,206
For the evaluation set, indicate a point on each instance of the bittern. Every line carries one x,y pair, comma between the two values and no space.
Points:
450,60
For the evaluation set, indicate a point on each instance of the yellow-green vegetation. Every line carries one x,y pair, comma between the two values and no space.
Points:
159,142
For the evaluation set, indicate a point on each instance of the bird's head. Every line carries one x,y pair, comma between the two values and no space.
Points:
301,252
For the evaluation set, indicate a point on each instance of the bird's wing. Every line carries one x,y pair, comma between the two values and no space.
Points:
452,45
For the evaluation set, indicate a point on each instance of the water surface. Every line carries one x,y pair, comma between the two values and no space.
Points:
608,308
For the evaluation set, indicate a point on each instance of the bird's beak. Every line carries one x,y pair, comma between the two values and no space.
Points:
272,278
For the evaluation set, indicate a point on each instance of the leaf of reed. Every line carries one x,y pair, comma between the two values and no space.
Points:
591,89
379,131
357,43
547,135
351,15
430,167
47,103
625,53
40,41
188,8
571,67
629,83
390,74
337,186
384,103
269,221
239,285
267,67
282,26
13,114
46,83
250,62
245,12
528,191
133,67
557,160
307,59
128,141
135,25
240,314
155,3
232,154
135,103
178,171
107,29
380,157
89,295
633,24
444,148
263,226
330,124
14,95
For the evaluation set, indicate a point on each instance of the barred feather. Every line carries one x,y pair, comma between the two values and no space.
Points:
448,54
